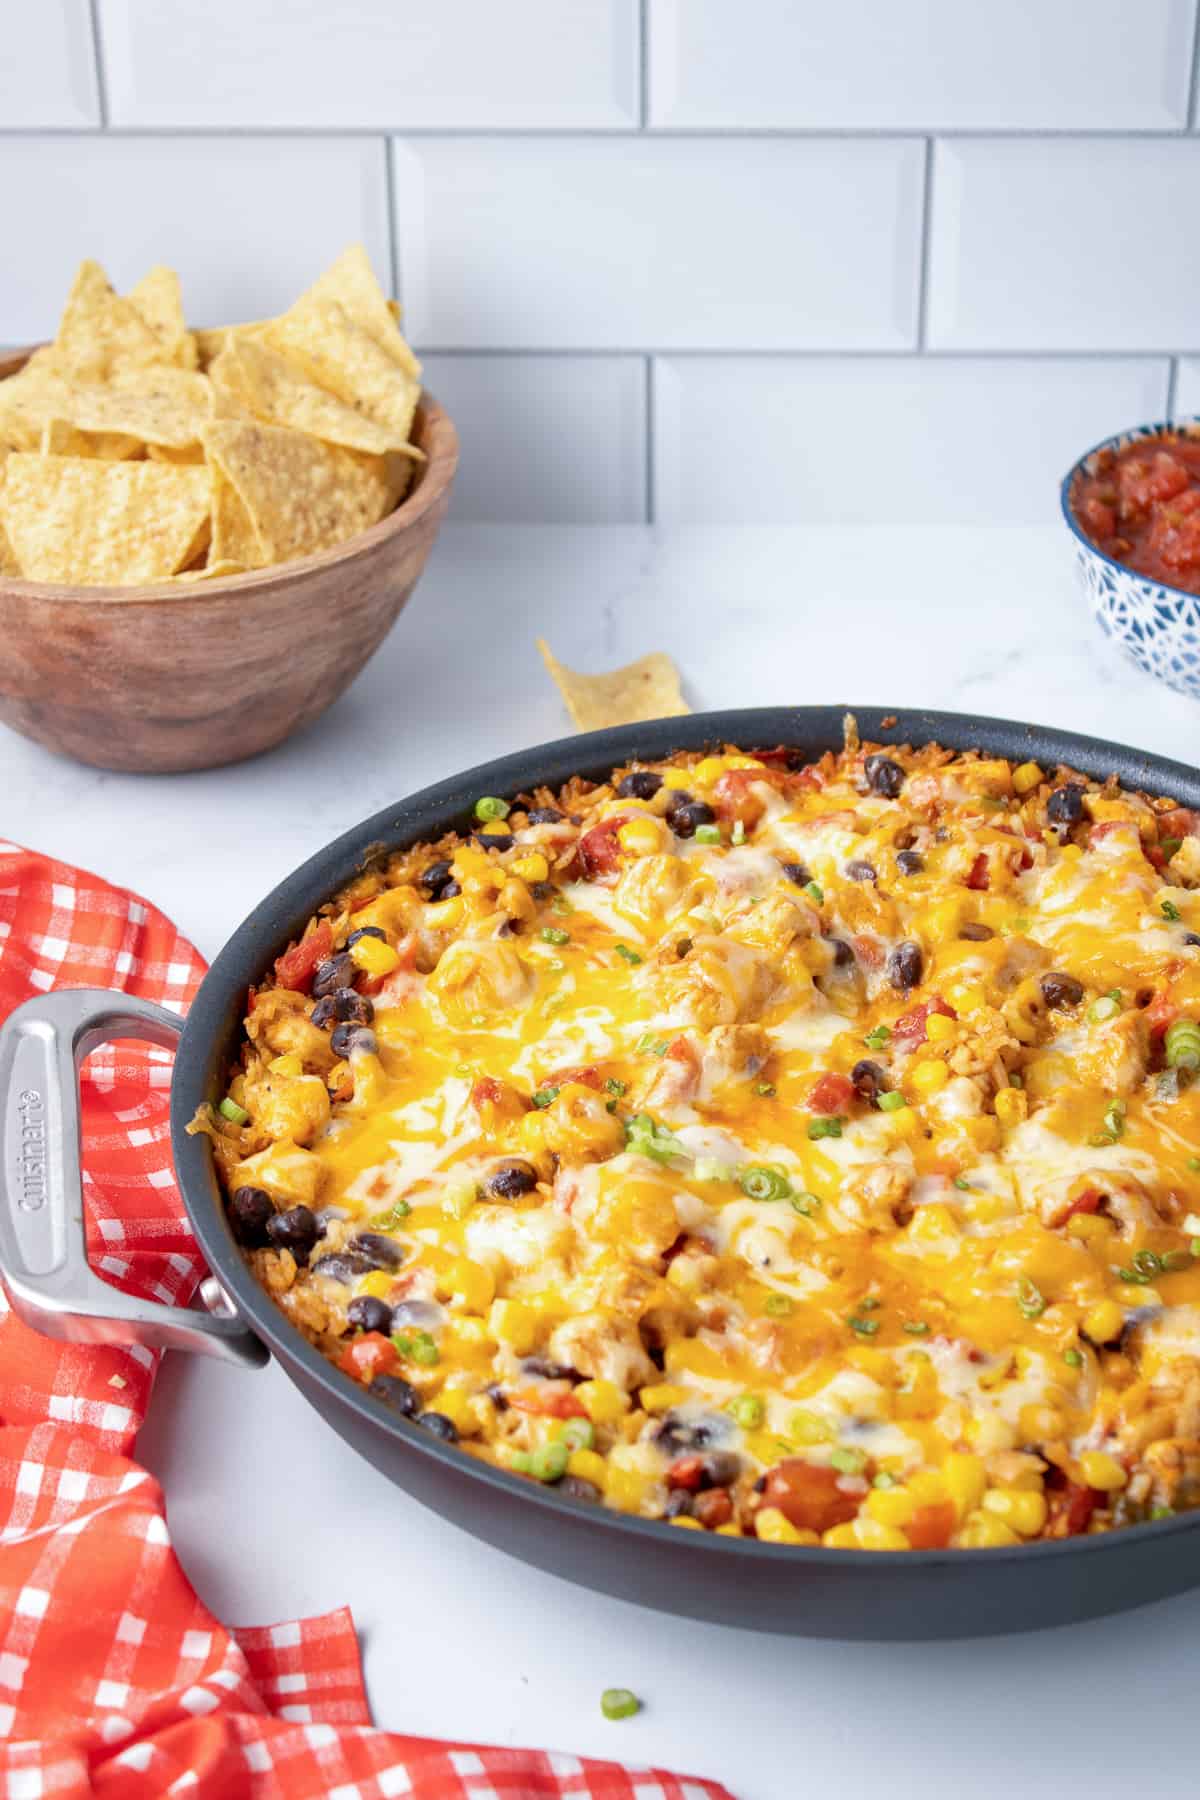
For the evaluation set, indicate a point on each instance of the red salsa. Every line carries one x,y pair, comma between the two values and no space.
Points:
1141,506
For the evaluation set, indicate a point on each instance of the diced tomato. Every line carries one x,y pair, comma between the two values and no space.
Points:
686,1472
296,967
368,1356
931,1526
910,1027
809,1495
713,1508
1160,1012
599,851
1142,481
810,780
587,1074
1179,822
1099,517
781,757
1071,1509
867,950
1107,828
733,797
831,1094
548,1403
1089,1201
978,877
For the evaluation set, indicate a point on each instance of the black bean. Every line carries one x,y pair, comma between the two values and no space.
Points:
720,1469
545,815
796,872
496,1395
437,878
335,972
905,965
349,1037
576,1488
396,1393
1061,990
366,931
910,862
679,1504
640,784
883,776
545,1370
368,1313
1065,805
868,1079
843,955
344,1004
1190,939
675,1436
861,871
344,1266
296,1230
493,840
440,1426
250,1212
513,1180
976,934
683,820
384,1252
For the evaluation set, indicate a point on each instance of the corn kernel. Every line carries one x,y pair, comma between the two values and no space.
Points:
870,1535
774,1527
944,918
1026,777
1011,1107
928,1078
662,1396
965,1481
603,1401
732,1530
640,837
378,1283
1021,1511
627,1488
373,956
533,867
470,1331
444,915
1103,1322
927,1487
469,1282
987,1432
903,1123
891,1506
460,1411
686,1524
588,1465
677,778
1089,1228
966,999
840,1537
938,1028
984,1531
513,1323
288,1064
1102,1471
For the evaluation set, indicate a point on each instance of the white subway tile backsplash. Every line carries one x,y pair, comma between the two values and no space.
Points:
920,65
47,69
1065,244
546,438
399,64
916,440
638,243
247,222
1187,389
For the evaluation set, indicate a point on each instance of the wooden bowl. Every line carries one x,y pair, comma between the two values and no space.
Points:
187,676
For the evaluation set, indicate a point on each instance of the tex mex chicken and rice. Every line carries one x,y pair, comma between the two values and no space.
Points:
801,1151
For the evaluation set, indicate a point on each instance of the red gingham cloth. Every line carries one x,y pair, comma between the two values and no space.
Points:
114,1679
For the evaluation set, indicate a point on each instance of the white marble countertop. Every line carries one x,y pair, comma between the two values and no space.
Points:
271,1514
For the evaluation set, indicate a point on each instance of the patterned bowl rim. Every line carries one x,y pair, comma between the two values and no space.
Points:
1118,441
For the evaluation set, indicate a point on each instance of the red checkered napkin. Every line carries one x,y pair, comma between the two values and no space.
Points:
114,1679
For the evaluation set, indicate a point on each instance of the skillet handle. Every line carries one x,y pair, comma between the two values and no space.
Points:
43,1256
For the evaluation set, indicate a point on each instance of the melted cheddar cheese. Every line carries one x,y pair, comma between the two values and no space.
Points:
811,1152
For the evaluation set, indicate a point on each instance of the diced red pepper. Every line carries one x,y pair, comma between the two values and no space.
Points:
548,1403
296,967
1071,1509
370,1355
587,1074
832,1094
733,797
931,1526
910,1027
1179,822
1090,1201
978,877
686,1472
809,1495
599,851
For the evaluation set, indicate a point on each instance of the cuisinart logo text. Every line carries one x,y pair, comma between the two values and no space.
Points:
31,1151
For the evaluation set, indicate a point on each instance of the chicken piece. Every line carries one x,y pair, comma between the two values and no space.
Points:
578,1125
637,1213
721,982
654,889
290,1175
1117,1054
280,1024
774,923
1174,1465
1185,864
285,1106
603,1348
479,977
880,1196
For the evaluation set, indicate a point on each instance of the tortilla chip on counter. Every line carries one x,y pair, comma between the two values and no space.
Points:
645,689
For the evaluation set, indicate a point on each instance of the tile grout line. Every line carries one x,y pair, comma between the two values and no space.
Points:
389,190
1172,385
902,134
98,63
747,352
651,498
926,235
1195,73
643,64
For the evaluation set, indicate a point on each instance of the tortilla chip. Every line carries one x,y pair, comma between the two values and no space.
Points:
646,689
210,341
158,405
350,283
341,356
272,388
234,539
29,400
79,521
100,332
61,438
210,571
190,453
158,299
8,562
301,495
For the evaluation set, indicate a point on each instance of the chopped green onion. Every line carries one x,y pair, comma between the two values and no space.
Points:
1107,1007
748,1410
382,1221
869,1303
613,1086
764,1090
824,1128
710,1168
554,934
960,1181
876,1039
545,1097
576,1434
1016,1079
1162,1512
1172,1260
1170,911
759,1182
815,892
708,834
628,955
892,1101
549,1462
649,1045
518,1461
864,1327
645,1137
738,834
1073,1358
805,1204
229,1109
884,1480
418,1347
1194,1164
916,1327
1182,1044
1114,1118
619,1703
848,1462
491,807
1030,1298
1169,846
1147,1263
777,1306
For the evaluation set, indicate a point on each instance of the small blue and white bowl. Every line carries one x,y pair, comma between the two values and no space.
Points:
1157,626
